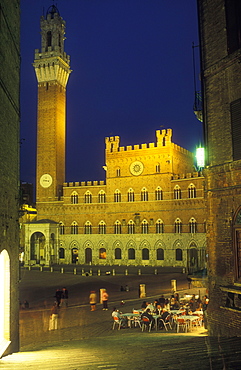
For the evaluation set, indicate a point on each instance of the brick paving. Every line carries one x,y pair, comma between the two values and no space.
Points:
85,339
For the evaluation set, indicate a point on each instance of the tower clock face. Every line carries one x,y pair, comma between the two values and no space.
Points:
46,180
136,168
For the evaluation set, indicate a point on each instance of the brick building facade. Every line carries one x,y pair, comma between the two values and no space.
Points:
220,40
9,174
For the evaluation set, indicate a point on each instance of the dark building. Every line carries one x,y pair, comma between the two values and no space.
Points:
9,174
220,45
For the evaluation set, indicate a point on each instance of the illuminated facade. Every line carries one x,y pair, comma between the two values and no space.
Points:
220,55
9,174
150,208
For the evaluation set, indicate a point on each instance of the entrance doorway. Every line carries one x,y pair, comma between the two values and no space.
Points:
75,255
88,255
4,301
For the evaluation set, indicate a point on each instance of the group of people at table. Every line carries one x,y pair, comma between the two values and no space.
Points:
186,313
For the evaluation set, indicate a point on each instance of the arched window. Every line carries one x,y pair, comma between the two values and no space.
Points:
158,193
178,226
118,172
192,225
102,227
191,191
131,195
61,252
117,227
145,254
177,192
74,228
158,168
118,254
178,254
102,196
144,195
237,243
144,227
88,197
159,227
131,254
160,254
49,39
131,227
102,254
88,227
74,197
117,196
61,228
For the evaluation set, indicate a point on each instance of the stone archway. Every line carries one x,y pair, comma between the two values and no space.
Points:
4,301
193,264
37,247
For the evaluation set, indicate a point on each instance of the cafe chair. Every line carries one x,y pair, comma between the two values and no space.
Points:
166,322
145,323
136,319
181,323
117,322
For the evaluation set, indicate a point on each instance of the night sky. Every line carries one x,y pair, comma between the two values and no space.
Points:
132,74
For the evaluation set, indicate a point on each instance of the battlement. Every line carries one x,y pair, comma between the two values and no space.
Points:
188,175
84,183
163,139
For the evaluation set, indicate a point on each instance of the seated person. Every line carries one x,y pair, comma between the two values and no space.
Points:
116,313
150,307
162,301
143,305
147,313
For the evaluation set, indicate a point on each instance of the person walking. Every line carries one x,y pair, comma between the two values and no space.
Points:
64,298
105,297
58,296
93,299
53,322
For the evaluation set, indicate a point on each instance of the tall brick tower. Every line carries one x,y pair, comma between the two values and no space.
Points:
52,70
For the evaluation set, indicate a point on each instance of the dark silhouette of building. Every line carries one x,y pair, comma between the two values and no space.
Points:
220,45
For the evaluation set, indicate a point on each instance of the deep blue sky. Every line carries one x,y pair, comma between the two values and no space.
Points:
132,75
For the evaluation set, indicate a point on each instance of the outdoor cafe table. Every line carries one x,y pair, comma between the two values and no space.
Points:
189,319
130,316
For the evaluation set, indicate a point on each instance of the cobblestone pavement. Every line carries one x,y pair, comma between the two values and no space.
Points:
85,339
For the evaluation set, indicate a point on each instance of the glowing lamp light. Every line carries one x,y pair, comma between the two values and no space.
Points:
200,155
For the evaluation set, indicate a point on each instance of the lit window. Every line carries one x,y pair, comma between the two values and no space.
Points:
117,227
102,254
102,196
144,227
178,226
88,197
158,193
131,195
144,195
158,168
61,228
102,227
177,192
131,227
191,191
192,226
118,172
159,227
88,228
74,198
74,228
117,196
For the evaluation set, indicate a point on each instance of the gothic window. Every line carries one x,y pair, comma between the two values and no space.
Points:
192,226
102,227
178,254
177,192
88,197
237,244
117,196
144,227
191,191
233,24
74,228
117,227
61,228
131,254
159,227
178,226
61,252
118,254
131,227
102,197
158,168
158,193
144,195
235,111
102,254
88,227
160,254
49,39
131,195
145,254
74,198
